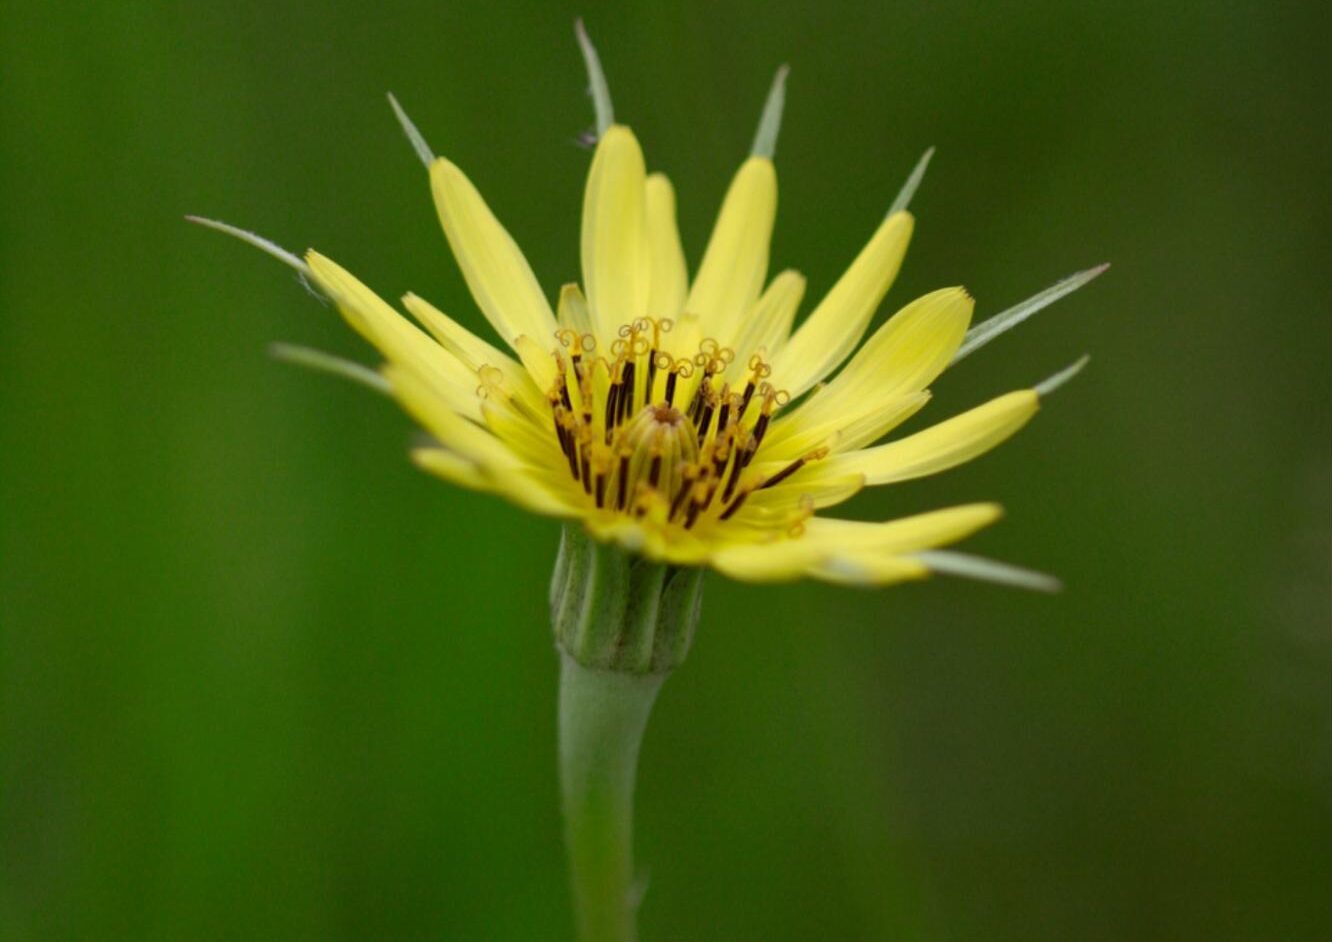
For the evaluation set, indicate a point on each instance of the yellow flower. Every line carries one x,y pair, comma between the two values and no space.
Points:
688,420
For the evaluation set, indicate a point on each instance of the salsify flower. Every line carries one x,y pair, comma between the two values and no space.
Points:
676,424
690,421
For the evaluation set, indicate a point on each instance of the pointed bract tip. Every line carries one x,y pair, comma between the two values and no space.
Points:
322,362
259,242
770,124
988,570
1080,278
596,79
417,139
912,184
1048,386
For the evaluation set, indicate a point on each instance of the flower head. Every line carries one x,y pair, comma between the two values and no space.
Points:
688,420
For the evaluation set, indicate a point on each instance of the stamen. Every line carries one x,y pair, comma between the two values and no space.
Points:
695,508
793,467
624,481
704,420
741,459
689,474
734,506
644,456
585,469
725,407
566,437
627,392
562,384
612,409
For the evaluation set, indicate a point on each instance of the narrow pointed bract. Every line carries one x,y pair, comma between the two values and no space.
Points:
258,241
1046,387
688,421
770,124
322,362
596,80
913,181
988,570
1005,321
417,140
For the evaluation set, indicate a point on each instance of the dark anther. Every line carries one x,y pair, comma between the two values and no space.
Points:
785,473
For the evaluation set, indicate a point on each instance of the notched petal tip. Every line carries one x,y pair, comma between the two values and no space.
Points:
770,124
596,79
963,291
1045,387
259,242
912,183
418,141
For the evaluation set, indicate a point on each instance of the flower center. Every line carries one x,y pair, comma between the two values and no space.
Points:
653,436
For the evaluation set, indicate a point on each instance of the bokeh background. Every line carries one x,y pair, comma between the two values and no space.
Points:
263,680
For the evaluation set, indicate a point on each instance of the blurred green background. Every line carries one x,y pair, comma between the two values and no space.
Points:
264,680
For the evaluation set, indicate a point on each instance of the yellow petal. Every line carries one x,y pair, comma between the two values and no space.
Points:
535,444
941,446
456,338
421,397
515,487
682,343
394,336
910,349
573,313
839,433
474,352
768,325
615,249
735,263
788,559
780,561
670,280
907,535
451,467
901,359
675,546
496,272
867,571
821,488
835,327
538,361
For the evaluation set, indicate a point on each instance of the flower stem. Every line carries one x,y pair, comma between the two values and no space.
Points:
622,623
603,714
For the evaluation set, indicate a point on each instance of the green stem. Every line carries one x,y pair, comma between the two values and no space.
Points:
622,623
602,718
